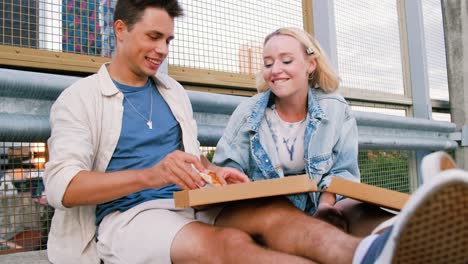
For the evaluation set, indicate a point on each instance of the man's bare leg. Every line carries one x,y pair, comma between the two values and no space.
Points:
201,243
282,227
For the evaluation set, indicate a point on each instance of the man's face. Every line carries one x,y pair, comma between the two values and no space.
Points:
145,46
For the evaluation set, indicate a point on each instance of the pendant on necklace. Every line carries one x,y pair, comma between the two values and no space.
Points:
150,124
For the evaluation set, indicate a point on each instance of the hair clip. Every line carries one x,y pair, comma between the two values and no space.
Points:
310,51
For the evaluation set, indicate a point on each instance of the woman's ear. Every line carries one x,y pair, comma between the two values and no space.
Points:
311,65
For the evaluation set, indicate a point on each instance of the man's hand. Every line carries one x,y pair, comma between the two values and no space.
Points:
176,168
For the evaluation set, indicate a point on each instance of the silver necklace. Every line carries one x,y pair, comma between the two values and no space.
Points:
149,121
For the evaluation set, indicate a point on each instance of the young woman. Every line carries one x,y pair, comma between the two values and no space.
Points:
297,124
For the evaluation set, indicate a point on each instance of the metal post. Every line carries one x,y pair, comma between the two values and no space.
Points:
455,16
417,68
325,29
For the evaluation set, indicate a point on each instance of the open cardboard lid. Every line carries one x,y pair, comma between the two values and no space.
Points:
368,193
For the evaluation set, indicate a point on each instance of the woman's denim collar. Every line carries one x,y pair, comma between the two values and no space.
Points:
267,98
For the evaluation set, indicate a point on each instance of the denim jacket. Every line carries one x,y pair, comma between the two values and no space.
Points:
330,143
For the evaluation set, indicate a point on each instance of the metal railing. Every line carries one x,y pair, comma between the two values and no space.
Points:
27,97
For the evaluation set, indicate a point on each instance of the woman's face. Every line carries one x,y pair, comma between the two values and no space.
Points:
286,66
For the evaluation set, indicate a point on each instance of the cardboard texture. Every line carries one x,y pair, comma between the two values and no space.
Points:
290,185
368,193
242,191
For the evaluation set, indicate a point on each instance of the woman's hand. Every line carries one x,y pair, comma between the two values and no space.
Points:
331,215
226,175
327,212
230,175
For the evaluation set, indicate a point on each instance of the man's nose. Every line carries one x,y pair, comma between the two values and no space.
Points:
162,48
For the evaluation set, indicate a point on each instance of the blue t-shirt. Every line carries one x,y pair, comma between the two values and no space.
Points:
139,146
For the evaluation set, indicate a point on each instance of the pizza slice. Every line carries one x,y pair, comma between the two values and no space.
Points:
211,178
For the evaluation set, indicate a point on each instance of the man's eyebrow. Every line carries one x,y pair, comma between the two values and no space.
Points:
160,34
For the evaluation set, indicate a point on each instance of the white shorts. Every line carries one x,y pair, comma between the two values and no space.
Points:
144,233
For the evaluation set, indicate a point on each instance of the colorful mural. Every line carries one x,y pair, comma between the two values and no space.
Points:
80,29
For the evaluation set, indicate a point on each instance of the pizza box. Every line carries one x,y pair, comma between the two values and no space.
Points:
289,185
243,191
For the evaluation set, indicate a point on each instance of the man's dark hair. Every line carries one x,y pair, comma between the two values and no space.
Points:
130,11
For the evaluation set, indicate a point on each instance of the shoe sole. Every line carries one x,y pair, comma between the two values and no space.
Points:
432,165
435,163
436,231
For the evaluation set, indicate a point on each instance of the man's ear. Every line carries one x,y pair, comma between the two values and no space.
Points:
120,29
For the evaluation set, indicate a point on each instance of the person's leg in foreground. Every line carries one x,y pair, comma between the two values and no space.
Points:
432,227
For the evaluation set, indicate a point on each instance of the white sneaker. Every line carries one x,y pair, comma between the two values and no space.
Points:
431,228
435,163
431,165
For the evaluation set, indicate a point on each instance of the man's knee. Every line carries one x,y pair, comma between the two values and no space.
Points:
229,244
210,245
229,240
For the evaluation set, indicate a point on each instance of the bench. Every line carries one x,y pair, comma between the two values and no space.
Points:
36,257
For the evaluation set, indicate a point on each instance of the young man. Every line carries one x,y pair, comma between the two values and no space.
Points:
115,159
115,154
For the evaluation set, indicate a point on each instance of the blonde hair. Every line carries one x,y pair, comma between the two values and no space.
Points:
323,77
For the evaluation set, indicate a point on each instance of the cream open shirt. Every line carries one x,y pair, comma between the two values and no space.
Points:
86,120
